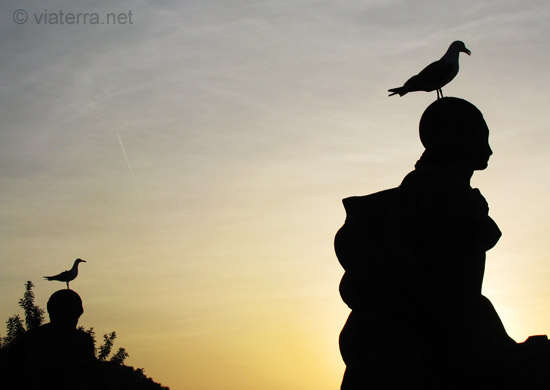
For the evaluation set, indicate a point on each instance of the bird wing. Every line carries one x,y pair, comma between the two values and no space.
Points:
432,77
65,276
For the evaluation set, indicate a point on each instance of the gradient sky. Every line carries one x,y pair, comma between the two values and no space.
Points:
197,159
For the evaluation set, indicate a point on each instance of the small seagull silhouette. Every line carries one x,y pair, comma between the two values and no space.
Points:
67,276
435,75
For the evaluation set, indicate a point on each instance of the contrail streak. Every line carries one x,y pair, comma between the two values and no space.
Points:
128,163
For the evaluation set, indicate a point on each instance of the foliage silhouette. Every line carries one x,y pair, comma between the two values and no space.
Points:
119,356
14,330
34,315
105,349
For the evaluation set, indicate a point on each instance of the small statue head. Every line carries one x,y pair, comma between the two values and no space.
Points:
65,307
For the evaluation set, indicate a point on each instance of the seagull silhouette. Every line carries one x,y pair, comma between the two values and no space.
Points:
435,75
67,276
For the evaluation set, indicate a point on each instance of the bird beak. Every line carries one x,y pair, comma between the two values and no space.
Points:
467,51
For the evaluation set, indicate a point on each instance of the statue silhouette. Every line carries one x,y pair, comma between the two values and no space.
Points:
414,259
57,355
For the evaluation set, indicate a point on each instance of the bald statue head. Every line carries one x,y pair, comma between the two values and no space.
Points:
453,131
65,308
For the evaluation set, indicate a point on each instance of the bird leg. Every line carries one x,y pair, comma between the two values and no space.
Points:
67,285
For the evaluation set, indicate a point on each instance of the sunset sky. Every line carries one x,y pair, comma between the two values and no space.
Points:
197,158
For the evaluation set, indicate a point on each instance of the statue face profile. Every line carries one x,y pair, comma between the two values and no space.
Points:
454,132
481,151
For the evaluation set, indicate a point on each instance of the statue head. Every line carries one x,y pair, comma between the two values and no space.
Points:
453,131
65,307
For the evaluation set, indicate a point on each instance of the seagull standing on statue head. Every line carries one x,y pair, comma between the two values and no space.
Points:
437,74
67,276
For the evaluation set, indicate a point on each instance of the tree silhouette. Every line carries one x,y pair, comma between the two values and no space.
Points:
14,330
119,356
34,315
105,349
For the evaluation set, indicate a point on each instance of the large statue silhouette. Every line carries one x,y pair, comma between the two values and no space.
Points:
414,259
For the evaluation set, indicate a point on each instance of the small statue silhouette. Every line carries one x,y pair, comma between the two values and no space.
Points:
57,355
414,259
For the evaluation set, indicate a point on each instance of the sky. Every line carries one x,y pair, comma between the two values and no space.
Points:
196,155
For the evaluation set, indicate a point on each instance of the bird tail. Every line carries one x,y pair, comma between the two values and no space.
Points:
395,91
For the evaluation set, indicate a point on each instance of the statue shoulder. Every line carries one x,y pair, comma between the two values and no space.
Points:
369,206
